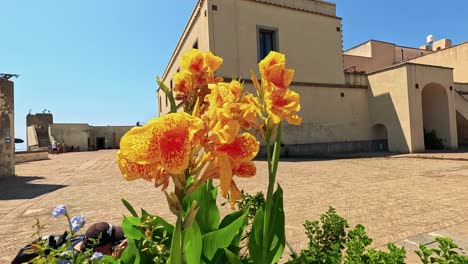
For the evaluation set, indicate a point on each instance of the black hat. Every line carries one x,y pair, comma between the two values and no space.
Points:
105,232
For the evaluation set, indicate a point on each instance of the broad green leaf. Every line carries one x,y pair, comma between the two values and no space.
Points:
228,219
233,259
276,236
256,237
130,252
192,244
277,220
208,215
128,226
222,237
129,207
176,246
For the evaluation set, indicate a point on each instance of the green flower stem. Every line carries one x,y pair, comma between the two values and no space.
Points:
69,224
168,93
272,168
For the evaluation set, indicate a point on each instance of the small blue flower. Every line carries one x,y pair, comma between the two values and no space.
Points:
59,210
96,256
77,222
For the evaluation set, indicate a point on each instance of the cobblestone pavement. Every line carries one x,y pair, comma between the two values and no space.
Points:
407,199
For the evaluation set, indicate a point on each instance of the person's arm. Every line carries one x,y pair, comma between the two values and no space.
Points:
118,250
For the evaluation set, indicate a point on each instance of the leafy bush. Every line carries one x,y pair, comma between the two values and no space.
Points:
432,141
330,243
445,253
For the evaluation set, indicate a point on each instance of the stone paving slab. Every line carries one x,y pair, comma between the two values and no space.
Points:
396,198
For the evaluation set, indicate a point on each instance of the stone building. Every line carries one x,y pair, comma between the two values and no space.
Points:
42,131
7,127
377,96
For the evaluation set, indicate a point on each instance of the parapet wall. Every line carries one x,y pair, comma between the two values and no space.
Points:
27,156
315,6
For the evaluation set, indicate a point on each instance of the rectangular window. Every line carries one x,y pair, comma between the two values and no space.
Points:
267,41
160,106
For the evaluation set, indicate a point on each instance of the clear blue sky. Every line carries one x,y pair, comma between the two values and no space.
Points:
95,61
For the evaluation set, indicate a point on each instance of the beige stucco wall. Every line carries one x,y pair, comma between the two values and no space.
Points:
462,129
318,6
398,104
461,104
329,117
195,31
376,55
27,156
71,134
314,54
403,54
455,57
112,135
364,50
389,106
7,129
32,140
425,76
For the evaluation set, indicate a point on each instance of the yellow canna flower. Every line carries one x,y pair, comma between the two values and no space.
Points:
165,141
279,102
273,58
193,61
278,75
281,106
182,84
233,159
212,62
133,171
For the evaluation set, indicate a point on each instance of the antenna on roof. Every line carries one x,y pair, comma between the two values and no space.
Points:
430,39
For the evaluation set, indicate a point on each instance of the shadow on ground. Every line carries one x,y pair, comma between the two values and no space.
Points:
21,187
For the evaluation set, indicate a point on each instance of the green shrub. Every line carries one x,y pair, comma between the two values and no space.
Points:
330,243
432,141
445,253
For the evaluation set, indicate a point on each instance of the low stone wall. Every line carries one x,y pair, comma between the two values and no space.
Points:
329,148
26,156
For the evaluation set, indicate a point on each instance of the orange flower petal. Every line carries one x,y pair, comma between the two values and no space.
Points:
246,169
271,59
244,148
212,62
294,120
183,82
281,106
235,194
225,173
225,133
280,76
193,61
134,144
165,141
133,171
171,141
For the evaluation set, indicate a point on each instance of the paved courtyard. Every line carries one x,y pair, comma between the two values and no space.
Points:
405,199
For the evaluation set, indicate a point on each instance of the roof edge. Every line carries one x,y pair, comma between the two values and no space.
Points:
406,64
188,27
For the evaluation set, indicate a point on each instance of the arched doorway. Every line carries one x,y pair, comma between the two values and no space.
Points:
380,138
436,122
